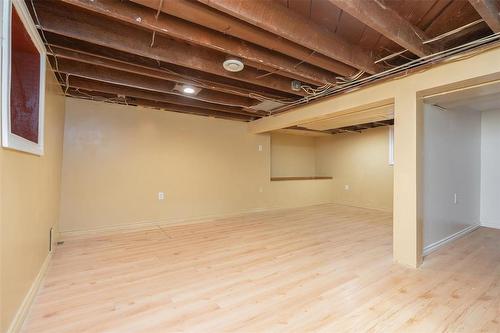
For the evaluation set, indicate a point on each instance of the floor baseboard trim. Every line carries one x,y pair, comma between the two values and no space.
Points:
24,308
148,225
434,246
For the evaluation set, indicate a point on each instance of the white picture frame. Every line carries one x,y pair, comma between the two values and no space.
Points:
9,139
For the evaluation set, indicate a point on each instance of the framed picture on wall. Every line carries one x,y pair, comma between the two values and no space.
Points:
23,80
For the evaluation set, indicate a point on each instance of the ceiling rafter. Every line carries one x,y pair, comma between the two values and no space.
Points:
113,76
271,17
387,22
125,38
489,10
93,85
94,54
106,97
215,20
76,55
257,56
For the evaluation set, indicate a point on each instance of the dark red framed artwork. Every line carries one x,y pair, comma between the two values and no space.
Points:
23,80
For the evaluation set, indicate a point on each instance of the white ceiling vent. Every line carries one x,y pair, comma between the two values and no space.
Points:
232,64
266,106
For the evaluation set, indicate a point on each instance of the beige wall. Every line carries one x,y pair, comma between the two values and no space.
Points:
117,159
478,67
361,161
29,206
293,155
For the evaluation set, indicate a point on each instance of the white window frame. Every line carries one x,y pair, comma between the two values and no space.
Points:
10,140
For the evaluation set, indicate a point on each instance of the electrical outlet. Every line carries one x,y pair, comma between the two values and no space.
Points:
455,198
346,187
260,147
161,196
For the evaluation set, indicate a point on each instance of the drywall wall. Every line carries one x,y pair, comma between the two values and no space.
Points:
29,206
490,169
451,164
293,155
117,158
360,161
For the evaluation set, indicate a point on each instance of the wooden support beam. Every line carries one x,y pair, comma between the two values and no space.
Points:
275,18
113,76
215,20
122,37
489,11
100,96
257,56
91,85
388,23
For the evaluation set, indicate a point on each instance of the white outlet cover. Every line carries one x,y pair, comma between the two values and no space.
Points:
161,195
346,187
260,147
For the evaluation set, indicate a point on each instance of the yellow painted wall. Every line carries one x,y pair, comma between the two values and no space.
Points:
478,67
117,158
361,161
293,155
29,206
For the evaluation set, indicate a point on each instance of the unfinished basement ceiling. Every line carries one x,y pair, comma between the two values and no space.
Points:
151,52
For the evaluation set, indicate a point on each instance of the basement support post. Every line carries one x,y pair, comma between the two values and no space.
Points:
407,225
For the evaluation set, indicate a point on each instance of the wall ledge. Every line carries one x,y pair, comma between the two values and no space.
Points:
276,179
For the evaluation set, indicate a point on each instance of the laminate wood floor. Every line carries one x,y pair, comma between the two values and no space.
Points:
325,268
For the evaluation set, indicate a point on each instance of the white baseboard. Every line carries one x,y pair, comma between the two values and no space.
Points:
434,246
22,312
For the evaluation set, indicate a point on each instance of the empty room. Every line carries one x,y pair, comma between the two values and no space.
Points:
250,166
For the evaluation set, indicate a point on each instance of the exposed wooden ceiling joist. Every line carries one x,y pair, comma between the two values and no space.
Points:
91,85
259,57
106,97
113,76
122,37
388,23
489,11
202,15
94,54
63,53
270,16
139,50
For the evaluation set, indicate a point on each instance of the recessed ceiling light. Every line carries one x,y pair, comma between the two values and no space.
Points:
188,90
232,64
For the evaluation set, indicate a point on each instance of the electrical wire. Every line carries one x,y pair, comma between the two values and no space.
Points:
39,25
432,58
452,32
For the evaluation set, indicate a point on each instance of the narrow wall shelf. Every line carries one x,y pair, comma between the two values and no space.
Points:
276,179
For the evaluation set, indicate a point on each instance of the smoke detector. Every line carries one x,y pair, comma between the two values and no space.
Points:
232,64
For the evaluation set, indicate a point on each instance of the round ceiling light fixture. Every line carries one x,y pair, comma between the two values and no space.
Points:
188,90
233,64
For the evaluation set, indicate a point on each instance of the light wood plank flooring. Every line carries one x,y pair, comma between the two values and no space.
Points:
325,268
